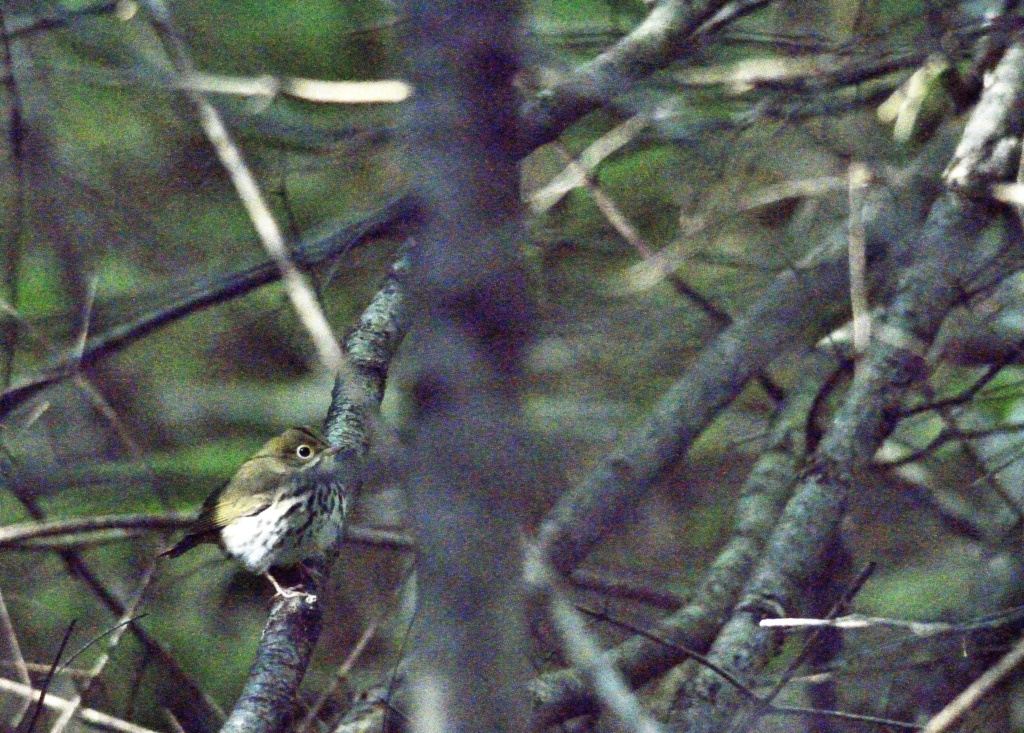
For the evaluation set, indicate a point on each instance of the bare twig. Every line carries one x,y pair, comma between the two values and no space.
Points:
32,535
967,699
310,90
88,715
607,681
303,298
575,175
392,215
48,679
10,651
68,714
17,534
857,621
859,179
38,669
26,24
343,671
625,588
627,231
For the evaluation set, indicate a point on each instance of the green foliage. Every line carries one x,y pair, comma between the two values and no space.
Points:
316,39
924,592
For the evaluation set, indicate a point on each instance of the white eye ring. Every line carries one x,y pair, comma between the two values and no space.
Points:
304,451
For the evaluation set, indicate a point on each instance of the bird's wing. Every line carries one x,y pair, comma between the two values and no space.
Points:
223,509
229,503
216,513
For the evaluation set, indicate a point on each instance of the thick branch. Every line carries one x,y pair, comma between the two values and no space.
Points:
673,29
779,319
946,255
468,451
561,695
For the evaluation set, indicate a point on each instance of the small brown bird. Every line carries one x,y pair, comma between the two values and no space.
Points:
284,505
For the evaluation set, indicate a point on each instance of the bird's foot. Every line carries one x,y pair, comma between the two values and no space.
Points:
290,593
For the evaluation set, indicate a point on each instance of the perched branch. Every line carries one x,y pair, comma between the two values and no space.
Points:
291,632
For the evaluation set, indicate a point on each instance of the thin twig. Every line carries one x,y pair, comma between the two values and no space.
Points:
39,668
857,242
623,588
967,699
808,645
857,621
12,651
26,24
302,296
88,715
29,535
304,300
575,176
130,614
339,677
16,534
699,658
48,680
17,208
585,654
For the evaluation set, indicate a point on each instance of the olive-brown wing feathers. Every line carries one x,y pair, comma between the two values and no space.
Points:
249,492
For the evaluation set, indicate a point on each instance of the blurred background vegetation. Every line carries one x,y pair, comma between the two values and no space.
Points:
113,204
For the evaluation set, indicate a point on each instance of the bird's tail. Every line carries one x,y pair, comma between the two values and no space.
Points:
184,545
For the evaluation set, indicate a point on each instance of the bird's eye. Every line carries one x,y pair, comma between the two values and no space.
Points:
304,451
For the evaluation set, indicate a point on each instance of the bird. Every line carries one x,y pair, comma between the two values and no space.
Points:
282,506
